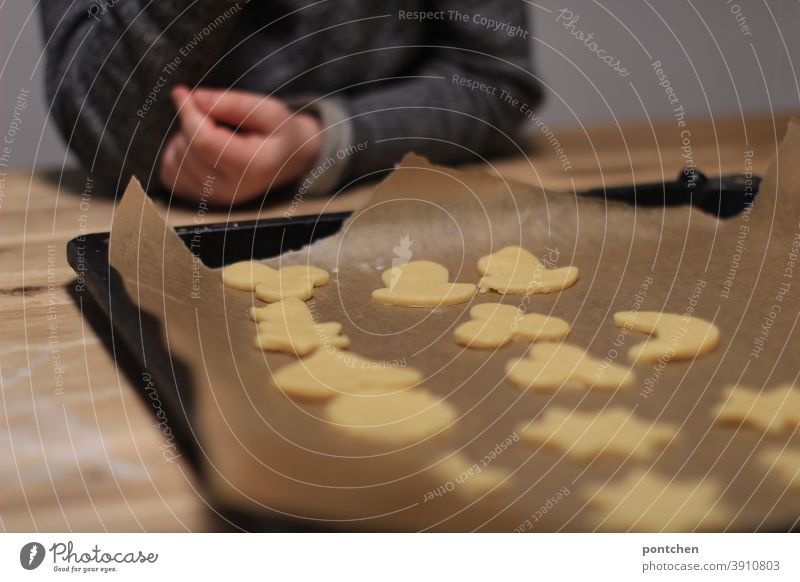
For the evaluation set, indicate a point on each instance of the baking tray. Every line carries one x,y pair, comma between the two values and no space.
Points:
134,334
136,338
214,244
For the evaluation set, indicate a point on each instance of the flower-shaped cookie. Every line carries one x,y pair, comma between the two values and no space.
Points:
272,285
515,271
644,501
549,365
327,373
288,326
494,325
421,284
585,435
677,337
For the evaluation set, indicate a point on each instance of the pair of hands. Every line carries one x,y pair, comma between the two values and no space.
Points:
270,147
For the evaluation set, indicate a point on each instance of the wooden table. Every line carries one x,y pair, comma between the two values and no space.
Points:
80,449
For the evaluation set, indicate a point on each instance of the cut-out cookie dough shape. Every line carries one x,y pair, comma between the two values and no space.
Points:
459,474
643,501
514,270
272,285
327,373
584,436
677,337
549,365
421,284
288,326
494,325
397,418
785,463
773,411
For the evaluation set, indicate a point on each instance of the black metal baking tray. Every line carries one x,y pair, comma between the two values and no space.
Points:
136,339
216,245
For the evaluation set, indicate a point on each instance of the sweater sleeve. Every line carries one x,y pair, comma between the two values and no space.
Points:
110,66
469,95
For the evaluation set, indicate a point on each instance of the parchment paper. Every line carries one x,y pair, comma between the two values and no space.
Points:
266,453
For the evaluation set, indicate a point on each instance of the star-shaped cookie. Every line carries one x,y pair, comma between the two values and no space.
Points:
773,411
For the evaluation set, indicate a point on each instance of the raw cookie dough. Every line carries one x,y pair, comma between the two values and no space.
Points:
677,337
272,285
774,411
421,284
327,373
643,501
785,463
396,418
549,365
288,326
514,270
585,435
494,325
468,478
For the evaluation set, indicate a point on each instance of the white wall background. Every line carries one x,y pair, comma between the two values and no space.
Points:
37,144
714,68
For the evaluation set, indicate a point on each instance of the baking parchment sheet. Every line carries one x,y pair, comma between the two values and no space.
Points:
266,453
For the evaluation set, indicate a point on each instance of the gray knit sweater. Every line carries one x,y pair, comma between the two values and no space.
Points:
384,77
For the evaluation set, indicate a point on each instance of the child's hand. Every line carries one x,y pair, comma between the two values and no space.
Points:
271,146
